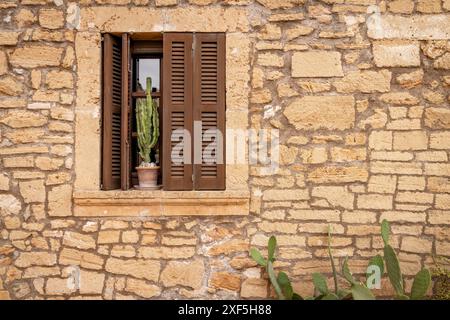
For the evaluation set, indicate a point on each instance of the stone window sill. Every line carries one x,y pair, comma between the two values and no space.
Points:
133,203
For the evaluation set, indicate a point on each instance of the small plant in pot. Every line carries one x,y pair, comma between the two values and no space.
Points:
147,119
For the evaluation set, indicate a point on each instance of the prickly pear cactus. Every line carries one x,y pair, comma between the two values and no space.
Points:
421,283
393,269
391,260
281,283
422,280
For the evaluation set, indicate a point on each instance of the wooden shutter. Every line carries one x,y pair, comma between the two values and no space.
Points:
177,110
112,112
126,112
209,109
115,154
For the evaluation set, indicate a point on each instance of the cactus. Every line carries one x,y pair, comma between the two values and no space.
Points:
147,119
320,283
422,280
420,285
281,283
333,267
358,291
393,270
322,292
375,263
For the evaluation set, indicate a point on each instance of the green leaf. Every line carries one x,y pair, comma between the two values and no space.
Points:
401,297
256,255
385,230
274,282
285,285
377,261
343,294
421,283
320,283
296,296
271,247
361,292
393,270
330,296
346,272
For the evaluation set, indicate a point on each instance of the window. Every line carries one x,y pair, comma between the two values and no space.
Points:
188,73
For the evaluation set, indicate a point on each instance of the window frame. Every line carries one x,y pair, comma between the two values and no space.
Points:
134,49
89,199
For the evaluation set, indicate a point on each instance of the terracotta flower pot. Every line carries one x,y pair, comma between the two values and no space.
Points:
148,177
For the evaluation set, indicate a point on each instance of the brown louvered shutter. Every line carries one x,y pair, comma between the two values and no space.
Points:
115,121
126,111
209,110
177,111
112,112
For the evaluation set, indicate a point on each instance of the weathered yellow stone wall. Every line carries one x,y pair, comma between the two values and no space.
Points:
358,88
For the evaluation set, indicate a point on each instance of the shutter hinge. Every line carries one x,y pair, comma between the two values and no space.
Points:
192,177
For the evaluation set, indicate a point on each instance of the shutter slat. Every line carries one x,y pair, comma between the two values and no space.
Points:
209,108
112,115
177,111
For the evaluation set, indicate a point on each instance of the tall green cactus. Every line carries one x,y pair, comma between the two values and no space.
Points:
147,119
422,280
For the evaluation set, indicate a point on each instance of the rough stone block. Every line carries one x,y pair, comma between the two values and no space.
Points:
322,112
396,54
317,64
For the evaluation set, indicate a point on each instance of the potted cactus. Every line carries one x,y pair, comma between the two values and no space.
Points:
147,120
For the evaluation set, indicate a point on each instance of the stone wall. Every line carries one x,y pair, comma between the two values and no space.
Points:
358,88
